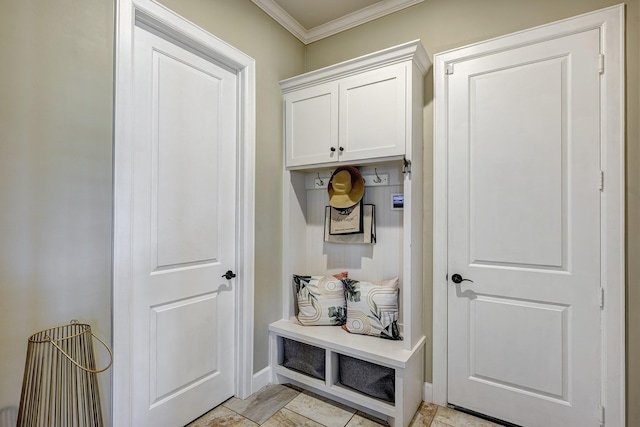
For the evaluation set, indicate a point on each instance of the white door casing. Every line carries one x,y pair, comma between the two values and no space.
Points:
528,223
164,198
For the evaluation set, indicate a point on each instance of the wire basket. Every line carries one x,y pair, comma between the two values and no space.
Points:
60,386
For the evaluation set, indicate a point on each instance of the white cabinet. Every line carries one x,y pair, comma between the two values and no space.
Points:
311,125
359,110
372,108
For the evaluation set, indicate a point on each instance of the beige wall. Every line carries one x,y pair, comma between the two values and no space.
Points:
55,174
447,24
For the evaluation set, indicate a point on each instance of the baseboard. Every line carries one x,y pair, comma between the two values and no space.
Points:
427,393
261,379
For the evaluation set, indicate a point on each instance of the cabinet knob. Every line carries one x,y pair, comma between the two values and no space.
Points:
333,149
341,149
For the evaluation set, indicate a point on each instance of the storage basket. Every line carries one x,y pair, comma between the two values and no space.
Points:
368,378
305,358
60,386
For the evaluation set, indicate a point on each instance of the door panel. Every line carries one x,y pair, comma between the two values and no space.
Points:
498,326
517,167
184,197
184,203
524,225
176,326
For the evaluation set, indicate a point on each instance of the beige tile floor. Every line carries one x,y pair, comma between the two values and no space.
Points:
286,406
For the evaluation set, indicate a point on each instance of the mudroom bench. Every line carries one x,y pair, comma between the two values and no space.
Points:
338,348
363,115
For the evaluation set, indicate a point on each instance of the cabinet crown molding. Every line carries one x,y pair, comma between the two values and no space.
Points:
410,51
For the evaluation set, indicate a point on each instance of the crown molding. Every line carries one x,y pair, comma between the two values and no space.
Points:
351,20
409,51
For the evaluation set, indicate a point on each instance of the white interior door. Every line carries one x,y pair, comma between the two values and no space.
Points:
524,229
184,231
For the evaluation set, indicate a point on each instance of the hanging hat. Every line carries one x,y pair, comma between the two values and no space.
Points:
346,187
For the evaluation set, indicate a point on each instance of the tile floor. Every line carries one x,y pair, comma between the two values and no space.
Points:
288,406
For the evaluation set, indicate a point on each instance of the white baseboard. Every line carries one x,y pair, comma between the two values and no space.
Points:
261,379
427,393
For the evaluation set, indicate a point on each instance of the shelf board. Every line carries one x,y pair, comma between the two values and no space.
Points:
377,350
300,377
381,407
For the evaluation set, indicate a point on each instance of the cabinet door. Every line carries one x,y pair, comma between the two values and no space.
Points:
311,125
373,114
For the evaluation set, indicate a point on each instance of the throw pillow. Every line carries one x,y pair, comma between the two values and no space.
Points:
372,308
320,300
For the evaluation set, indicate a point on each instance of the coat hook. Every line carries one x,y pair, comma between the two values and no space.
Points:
407,166
320,179
377,179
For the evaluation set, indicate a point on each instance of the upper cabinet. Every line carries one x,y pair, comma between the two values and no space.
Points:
311,125
360,110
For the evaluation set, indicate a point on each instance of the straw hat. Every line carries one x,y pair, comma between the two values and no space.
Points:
346,187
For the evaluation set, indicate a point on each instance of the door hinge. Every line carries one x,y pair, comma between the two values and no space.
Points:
601,416
601,64
601,297
601,186
449,70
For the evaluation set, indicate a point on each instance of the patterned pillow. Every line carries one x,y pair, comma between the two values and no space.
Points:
320,300
372,308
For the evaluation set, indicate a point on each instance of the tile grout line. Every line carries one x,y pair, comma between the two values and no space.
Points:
349,420
303,416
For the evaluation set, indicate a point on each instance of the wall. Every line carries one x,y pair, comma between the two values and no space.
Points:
447,24
55,175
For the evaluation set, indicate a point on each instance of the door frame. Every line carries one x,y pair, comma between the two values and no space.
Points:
610,22
130,13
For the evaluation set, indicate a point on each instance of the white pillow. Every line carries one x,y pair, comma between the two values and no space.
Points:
372,308
320,300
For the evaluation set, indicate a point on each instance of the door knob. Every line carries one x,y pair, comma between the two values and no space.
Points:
456,278
229,275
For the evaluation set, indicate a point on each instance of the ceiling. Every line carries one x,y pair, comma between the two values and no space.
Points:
311,20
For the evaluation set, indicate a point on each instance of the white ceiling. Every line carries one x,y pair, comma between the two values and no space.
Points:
311,20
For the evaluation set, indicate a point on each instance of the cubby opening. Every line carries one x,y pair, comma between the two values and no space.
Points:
307,252
370,379
304,358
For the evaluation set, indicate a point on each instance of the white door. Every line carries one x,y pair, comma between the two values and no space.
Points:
524,229
184,222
